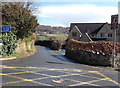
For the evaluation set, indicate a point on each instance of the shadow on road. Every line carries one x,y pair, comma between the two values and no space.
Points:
63,58
48,49
54,62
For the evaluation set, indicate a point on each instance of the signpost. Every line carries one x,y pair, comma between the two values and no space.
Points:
4,29
114,27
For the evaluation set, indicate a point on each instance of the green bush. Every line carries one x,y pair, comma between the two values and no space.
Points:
19,16
9,44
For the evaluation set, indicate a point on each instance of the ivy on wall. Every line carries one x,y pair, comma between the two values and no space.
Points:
8,43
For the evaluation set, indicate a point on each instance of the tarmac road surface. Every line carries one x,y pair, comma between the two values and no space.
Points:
50,68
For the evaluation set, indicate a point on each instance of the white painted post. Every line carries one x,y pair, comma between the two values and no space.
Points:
114,49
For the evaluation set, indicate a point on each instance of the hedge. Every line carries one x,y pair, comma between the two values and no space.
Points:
105,47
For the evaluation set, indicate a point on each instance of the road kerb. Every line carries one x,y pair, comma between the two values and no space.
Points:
2,59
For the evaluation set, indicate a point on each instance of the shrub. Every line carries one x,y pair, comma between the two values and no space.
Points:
9,43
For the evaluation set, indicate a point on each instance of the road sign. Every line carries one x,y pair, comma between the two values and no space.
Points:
114,22
114,26
6,28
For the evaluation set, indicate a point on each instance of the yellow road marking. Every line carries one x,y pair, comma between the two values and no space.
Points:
75,70
78,70
72,80
42,83
2,74
58,81
85,71
27,80
12,67
82,74
20,79
93,72
80,82
89,82
94,84
11,82
20,72
23,80
89,76
109,79
17,77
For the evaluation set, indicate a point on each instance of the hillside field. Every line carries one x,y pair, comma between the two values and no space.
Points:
60,37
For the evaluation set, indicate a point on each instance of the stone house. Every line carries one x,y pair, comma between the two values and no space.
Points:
90,32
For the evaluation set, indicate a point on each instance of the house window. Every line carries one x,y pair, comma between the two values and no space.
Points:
74,34
110,35
102,35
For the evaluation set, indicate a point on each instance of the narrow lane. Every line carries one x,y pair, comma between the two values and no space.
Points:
48,68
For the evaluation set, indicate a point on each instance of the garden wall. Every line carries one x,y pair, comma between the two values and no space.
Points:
93,53
24,46
46,43
55,45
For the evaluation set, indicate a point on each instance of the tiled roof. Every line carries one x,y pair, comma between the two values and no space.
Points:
98,29
88,27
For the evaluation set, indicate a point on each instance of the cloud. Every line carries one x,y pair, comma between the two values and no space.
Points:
61,0
78,13
57,24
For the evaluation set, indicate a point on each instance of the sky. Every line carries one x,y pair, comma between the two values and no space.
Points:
64,13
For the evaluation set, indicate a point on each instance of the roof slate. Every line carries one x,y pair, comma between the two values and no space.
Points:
88,27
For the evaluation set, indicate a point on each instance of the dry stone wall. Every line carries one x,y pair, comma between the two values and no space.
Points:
90,58
23,46
93,53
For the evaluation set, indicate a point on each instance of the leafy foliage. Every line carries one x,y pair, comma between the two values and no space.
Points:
18,15
9,43
23,23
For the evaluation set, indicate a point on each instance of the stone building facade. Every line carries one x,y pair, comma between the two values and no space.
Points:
91,32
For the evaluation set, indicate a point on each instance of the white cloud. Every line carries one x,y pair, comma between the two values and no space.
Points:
78,13
61,0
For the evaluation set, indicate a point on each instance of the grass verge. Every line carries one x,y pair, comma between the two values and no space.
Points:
21,55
